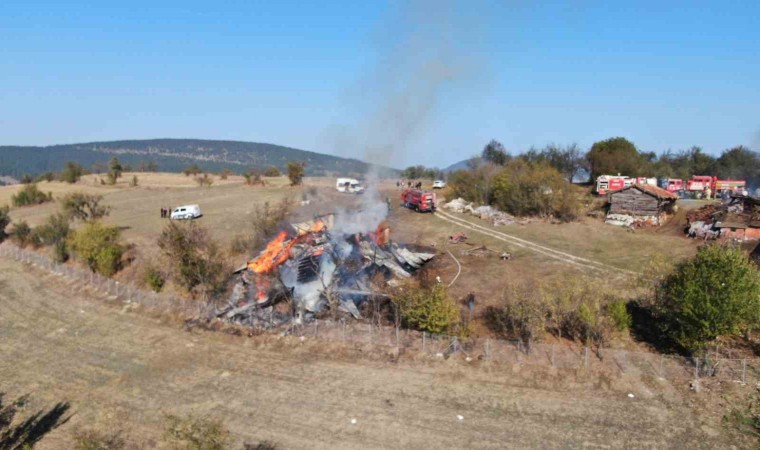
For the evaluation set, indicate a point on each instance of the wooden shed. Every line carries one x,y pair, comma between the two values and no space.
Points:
641,204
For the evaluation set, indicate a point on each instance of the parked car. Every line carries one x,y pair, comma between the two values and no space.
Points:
349,185
186,212
439,184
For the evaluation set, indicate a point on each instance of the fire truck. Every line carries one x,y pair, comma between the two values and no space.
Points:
609,183
699,184
672,184
420,201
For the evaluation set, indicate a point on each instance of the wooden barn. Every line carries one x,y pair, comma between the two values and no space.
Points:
640,204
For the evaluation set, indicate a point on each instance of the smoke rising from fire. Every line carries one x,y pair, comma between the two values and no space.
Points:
424,55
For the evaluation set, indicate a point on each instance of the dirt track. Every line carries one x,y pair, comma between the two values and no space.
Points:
123,369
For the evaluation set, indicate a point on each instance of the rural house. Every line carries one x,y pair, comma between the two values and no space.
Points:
640,205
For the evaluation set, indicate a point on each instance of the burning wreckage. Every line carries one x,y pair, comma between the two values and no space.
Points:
316,267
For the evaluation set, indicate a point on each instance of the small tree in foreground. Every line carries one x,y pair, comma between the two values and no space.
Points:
31,195
427,309
295,172
99,247
85,207
714,294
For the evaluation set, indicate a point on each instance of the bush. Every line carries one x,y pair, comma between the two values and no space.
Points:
21,234
192,170
98,440
197,433
31,195
193,258
714,294
617,311
99,247
5,220
47,176
296,172
522,313
54,232
267,220
272,171
72,172
134,182
253,178
85,207
204,180
427,309
154,279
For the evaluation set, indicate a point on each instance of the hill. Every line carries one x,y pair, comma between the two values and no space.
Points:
173,155
461,165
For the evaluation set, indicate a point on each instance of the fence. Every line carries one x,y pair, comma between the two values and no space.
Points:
564,356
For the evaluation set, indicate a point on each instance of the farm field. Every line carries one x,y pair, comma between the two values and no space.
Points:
124,370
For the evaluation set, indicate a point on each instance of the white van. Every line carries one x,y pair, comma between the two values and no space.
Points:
350,185
186,212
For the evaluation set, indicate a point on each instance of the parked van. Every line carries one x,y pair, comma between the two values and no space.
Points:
186,212
350,185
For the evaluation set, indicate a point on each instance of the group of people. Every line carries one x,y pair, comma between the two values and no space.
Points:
165,212
409,184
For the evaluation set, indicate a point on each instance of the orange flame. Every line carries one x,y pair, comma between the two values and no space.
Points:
276,253
380,235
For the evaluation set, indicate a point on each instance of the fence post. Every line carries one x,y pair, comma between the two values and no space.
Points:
397,343
316,327
625,360
585,356
370,333
519,349
488,349
696,368
553,356
744,371
423,342
344,329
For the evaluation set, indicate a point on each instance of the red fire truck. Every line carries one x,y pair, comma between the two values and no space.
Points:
698,184
609,183
671,184
420,201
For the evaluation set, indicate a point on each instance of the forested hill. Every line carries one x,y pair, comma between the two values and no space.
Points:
172,155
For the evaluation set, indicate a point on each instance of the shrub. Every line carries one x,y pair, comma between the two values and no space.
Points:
85,207
47,176
253,178
746,418
98,440
21,234
99,247
134,182
197,433
54,232
5,220
263,445
154,279
115,170
224,174
266,221
272,171
296,172
204,180
31,195
521,314
192,170
714,294
617,311
193,258
427,309
72,172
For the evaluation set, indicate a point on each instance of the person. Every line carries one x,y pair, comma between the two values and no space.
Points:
163,213
471,301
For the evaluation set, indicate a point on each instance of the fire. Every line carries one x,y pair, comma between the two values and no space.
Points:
380,236
317,226
276,253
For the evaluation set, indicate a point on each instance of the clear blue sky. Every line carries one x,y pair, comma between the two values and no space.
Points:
665,74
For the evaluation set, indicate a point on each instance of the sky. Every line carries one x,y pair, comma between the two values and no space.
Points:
392,82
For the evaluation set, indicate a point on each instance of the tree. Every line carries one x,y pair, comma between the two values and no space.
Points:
739,163
568,160
72,172
495,153
296,172
5,220
192,170
54,232
99,247
714,294
115,170
205,180
272,171
85,207
615,155
193,258
427,309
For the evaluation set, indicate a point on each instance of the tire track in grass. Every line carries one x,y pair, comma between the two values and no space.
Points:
577,261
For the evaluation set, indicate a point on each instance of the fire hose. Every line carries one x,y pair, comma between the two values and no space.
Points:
459,267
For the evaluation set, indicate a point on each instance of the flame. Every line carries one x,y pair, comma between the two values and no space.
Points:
276,253
317,226
379,236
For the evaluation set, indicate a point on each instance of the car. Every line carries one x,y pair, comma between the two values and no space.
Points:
186,212
439,184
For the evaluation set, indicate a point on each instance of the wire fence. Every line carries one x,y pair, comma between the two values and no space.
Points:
562,356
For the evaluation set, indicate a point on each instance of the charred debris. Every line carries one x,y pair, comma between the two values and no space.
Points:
315,265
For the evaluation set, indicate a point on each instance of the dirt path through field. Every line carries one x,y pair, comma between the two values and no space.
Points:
122,369
567,258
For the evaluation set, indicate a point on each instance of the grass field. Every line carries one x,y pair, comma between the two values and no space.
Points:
123,370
